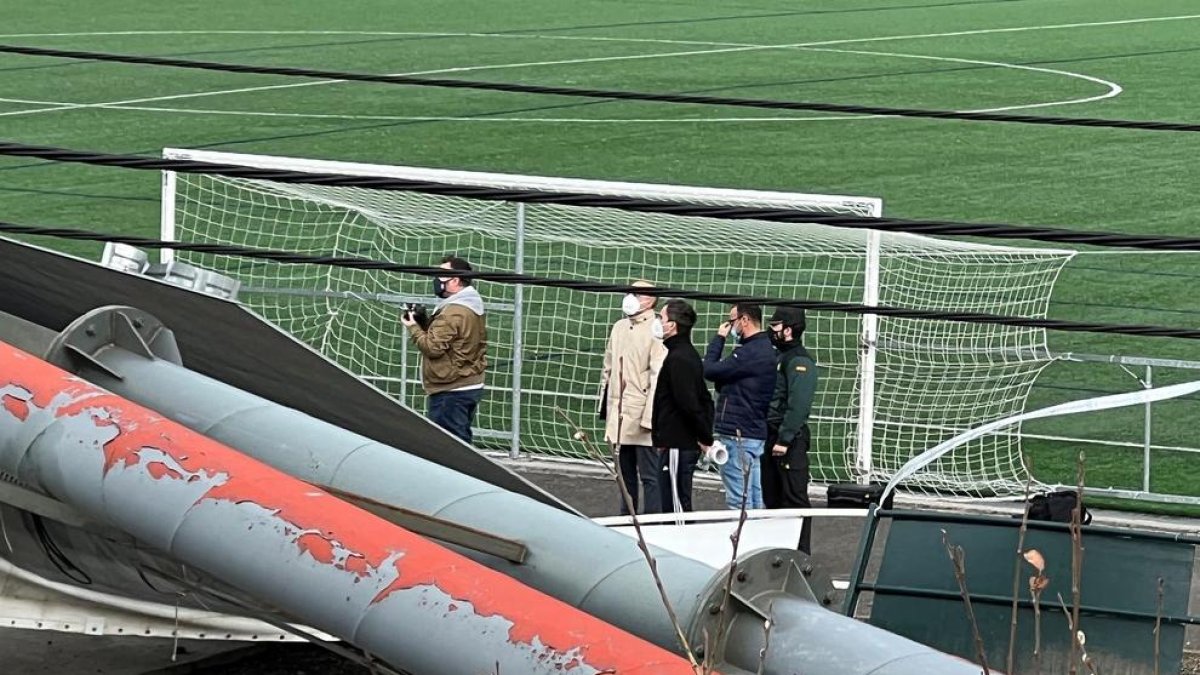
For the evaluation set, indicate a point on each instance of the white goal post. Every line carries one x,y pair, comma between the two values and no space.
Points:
890,388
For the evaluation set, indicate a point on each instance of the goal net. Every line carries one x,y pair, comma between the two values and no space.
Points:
889,388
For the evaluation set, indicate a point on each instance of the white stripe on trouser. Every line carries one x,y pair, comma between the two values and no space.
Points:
673,469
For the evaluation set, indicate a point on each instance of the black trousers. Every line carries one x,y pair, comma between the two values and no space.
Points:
641,464
785,480
683,479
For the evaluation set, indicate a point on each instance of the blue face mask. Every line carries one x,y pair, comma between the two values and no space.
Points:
734,332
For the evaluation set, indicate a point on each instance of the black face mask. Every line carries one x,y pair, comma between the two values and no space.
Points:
779,340
439,288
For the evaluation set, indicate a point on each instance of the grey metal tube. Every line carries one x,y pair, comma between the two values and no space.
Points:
802,633
585,565
277,538
99,558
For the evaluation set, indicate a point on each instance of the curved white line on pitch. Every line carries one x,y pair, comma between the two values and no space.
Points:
1112,89
725,47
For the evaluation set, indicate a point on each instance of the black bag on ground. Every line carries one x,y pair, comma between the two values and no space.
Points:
1056,507
855,496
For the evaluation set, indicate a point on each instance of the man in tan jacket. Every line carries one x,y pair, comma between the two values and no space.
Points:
632,359
453,351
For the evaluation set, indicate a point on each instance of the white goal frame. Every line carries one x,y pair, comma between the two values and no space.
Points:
864,464
869,206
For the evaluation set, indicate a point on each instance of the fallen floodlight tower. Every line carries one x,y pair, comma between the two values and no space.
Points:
399,596
583,564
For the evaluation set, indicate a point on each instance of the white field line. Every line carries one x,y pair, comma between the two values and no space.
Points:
1112,89
313,83
915,36
727,47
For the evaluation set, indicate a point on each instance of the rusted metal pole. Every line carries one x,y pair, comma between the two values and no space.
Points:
414,604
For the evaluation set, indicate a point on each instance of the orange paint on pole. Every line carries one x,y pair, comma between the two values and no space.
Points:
325,528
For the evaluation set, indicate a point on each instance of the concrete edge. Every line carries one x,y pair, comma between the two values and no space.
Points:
711,481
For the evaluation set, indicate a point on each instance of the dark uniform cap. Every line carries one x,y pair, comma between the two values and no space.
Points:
789,316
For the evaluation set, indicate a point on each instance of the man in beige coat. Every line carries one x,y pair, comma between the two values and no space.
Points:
632,359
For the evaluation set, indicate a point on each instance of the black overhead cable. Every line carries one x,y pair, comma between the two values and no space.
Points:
288,257
607,94
640,205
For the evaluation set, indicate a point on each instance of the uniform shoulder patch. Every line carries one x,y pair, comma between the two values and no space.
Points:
801,369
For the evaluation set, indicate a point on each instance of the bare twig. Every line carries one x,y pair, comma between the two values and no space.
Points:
641,540
658,582
1037,584
1016,584
1076,559
735,539
589,445
1158,624
767,626
958,560
1078,642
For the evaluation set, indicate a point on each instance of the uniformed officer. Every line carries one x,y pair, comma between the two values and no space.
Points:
785,474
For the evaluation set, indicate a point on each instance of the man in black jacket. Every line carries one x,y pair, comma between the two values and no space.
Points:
745,382
683,410
785,475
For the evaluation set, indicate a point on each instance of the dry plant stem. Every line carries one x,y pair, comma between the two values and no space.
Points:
1075,644
581,436
1037,584
1158,624
767,626
642,545
1016,584
957,560
1037,632
735,539
653,564
1076,560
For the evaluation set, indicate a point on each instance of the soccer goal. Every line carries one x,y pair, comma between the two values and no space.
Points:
889,389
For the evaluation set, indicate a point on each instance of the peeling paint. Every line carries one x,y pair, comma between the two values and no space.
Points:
18,408
160,470
320,548
331,532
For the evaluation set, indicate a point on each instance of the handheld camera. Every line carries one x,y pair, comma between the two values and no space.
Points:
417,312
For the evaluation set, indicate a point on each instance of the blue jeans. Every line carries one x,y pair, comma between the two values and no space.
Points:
454,411
732,475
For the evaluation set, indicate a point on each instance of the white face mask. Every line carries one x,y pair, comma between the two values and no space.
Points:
631,305
656,329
